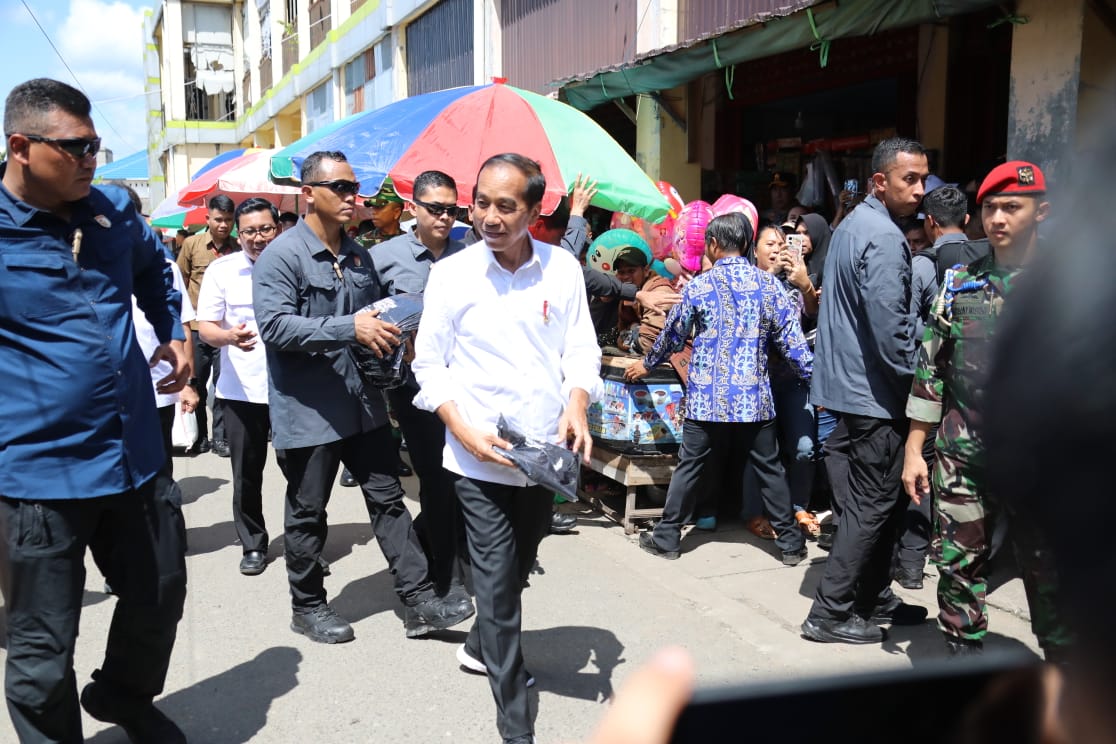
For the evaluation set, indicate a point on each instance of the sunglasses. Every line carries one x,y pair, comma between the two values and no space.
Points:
75,147
339,187
437,210
265,230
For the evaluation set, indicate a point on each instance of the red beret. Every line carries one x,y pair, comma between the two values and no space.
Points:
1013,177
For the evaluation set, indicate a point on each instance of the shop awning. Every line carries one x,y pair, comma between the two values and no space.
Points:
758,37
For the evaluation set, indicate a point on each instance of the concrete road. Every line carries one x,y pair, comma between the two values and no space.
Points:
597,607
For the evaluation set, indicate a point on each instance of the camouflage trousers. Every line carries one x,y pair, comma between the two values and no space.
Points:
965,514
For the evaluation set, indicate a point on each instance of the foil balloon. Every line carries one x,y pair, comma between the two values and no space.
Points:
604,249
671,195
729,203
688,238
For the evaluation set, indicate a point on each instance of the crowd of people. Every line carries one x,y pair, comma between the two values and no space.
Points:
799,344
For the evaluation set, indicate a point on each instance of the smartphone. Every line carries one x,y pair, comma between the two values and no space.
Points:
1001,693
852,186
795,244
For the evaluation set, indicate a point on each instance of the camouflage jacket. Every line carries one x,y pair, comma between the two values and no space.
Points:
374,237
955,355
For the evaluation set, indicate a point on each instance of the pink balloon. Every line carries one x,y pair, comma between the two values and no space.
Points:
688,238
729,203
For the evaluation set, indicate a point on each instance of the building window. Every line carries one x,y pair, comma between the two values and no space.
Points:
319,107
264,6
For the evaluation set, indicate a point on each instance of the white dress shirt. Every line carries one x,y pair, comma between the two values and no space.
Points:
149,342
226,299
496,342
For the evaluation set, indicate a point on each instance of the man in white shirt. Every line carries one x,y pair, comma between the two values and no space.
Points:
227,321
148,342
505,331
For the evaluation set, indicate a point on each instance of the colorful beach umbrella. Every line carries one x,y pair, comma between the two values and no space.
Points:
456,130
239,178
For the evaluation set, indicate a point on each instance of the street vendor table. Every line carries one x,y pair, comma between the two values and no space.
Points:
631,471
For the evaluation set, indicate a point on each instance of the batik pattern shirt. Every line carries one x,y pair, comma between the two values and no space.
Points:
734,311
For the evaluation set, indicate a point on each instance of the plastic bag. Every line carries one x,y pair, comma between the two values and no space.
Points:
184,430
384,373
549,465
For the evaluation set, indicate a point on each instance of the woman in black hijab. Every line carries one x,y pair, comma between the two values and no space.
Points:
817,231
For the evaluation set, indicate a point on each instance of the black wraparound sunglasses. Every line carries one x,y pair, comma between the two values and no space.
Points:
75,147
437,210
339,187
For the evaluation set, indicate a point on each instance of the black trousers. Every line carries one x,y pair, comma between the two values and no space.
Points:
207,359
915,528
439,524
504,525
138,541
708,448
310,471
858,570
247,425
166,426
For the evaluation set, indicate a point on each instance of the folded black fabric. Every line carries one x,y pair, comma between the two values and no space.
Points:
549,465
384,373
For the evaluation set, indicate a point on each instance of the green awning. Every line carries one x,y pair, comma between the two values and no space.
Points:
668,68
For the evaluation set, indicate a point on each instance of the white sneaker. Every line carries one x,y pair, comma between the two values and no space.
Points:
465,659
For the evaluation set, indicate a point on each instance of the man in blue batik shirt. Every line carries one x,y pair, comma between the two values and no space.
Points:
735,312
81,448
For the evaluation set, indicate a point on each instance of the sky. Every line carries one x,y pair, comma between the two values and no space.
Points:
101,41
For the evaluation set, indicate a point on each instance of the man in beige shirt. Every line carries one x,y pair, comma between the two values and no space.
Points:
198,251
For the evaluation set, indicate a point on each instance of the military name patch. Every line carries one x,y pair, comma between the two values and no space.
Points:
972,306
103,221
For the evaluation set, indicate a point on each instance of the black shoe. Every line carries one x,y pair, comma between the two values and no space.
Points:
964,647
457,597
908,577
854,630
434,614
347,479
221,448
325,566
898,612
253,563
141,721
323,625
562,523
794,557
404,470
825,540
202,446
647,542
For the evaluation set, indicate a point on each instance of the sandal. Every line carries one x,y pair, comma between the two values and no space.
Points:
808,523
760,527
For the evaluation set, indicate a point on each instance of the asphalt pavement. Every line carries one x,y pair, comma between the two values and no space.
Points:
597,607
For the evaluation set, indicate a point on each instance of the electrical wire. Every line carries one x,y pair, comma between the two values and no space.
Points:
74,76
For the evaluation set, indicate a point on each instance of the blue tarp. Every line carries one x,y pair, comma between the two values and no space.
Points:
131,168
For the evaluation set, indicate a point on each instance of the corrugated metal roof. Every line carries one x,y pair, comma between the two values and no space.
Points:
547,39
131,168
440,48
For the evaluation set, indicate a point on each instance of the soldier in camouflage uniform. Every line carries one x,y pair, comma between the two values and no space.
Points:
387,208
949,388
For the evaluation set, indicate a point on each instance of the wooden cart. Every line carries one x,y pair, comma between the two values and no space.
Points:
631,471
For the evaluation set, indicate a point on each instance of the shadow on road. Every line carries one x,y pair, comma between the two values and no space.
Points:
195,486
366,597
558,658
231,707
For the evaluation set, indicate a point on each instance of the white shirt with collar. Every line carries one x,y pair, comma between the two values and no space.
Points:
496,342
226,299
149,342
